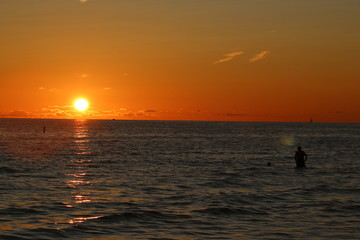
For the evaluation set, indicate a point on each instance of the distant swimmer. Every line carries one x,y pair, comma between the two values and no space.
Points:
300,158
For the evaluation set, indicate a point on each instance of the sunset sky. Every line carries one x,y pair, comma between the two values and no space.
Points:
233,60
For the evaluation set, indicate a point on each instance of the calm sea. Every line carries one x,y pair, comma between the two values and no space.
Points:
97,179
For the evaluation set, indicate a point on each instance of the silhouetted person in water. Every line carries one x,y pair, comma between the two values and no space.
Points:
300,158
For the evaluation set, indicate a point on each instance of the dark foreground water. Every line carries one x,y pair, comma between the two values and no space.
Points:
177,180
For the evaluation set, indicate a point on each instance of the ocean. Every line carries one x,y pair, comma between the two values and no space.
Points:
115,179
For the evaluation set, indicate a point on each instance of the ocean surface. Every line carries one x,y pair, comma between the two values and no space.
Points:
98,179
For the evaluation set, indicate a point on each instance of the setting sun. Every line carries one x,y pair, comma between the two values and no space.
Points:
56,52
81,104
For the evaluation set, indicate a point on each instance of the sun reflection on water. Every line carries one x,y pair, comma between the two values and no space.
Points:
79,177
83,219
81,138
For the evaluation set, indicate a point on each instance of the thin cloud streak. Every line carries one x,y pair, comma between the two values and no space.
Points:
259,56
229,56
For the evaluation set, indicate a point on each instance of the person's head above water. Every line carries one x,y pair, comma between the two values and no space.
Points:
299,148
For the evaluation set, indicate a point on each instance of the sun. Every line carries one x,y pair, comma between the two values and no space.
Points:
81,104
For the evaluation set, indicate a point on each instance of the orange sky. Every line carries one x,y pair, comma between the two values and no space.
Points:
234,60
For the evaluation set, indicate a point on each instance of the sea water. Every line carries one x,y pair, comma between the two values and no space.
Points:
97,179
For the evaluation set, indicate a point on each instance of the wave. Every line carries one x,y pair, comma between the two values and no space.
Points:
139,216
229,211
8,170
16,211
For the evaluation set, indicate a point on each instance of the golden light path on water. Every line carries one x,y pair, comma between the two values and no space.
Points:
79,176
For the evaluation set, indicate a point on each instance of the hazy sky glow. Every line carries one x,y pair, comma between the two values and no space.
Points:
234,60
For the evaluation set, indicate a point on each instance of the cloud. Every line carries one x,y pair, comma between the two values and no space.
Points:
150,111
18,113
259,56
335,112
47,89
15,114
235,114
232,114
84,1
229,56
55,111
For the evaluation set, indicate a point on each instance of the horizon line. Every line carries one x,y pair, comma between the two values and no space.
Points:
169,120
